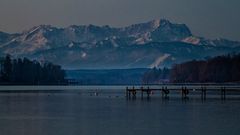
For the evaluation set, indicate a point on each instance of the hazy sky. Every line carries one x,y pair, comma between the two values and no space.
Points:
209,18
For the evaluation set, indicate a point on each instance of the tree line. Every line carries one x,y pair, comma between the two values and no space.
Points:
219,69
27,72
155,76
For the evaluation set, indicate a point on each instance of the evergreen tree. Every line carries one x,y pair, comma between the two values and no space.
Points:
7,69
27,72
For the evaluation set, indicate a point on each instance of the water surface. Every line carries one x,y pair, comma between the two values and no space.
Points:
110,113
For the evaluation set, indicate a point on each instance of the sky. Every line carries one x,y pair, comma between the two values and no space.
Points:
207,18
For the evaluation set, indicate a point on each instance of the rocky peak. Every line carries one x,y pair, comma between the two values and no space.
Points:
168,32
164,22
155,23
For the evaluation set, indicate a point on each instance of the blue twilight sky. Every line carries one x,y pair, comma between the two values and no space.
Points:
209,18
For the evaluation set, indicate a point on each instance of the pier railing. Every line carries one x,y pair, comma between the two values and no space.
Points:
185,90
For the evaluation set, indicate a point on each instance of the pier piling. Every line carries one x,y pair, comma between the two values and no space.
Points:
223,93
204,93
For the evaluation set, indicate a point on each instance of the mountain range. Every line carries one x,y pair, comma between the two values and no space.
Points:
157,43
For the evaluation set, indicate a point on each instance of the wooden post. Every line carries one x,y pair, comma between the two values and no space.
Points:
142,92
129,93
148,92
185,92
162,92
182,91
205,92
133,91
223,93
165,92
224,90
126,92
204,89
201,92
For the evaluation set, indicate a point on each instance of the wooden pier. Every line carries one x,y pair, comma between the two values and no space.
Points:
184,90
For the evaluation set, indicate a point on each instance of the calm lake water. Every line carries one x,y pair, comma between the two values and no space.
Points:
110,113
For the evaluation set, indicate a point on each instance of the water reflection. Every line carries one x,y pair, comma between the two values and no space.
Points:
88,113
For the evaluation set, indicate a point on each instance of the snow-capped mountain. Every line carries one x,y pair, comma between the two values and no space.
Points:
154,43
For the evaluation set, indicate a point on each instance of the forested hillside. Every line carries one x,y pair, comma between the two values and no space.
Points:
26,72
218,69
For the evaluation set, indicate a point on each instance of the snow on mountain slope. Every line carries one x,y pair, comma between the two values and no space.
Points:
159,60
155,43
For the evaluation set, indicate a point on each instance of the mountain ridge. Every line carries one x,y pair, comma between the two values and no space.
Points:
139,45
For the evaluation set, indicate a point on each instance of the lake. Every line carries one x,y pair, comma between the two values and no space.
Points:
83,112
